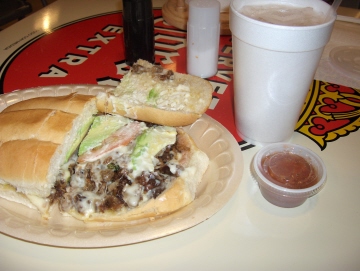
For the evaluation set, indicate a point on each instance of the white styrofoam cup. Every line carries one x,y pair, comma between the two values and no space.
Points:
274,66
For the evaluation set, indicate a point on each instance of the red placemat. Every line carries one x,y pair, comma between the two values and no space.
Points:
90,51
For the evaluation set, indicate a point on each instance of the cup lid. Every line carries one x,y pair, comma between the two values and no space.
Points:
204,13
346,59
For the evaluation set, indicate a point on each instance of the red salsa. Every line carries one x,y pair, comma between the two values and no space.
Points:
289,170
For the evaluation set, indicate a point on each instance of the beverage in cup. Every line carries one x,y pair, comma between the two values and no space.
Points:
277,46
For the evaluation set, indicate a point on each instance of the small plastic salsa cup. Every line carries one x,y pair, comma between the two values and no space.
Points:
288,174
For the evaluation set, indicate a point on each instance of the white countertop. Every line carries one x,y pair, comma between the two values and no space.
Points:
248,233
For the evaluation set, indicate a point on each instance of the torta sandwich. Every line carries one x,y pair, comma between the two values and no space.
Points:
97,166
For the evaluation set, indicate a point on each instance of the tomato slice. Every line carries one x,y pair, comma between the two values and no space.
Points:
121,137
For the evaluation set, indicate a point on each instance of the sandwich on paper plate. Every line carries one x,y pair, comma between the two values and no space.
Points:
115,157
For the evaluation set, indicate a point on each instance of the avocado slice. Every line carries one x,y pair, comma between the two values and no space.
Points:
102,127
79,136
152,96
148,144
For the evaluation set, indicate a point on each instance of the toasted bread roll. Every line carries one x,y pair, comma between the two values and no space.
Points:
34,143
29,165
42,124
153,94
73,103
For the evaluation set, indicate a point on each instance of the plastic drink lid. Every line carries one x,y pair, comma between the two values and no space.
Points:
204,13
346,59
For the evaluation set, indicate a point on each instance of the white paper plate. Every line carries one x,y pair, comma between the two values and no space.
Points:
218,185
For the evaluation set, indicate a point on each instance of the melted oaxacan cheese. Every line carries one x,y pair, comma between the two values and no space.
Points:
148,144
124,174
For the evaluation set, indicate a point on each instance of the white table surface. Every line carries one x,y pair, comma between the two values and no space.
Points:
248,233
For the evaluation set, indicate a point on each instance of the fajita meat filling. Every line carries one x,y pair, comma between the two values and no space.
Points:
109,184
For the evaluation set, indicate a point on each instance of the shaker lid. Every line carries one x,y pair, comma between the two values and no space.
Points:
204,13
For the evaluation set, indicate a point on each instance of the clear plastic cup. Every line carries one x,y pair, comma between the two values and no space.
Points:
288,174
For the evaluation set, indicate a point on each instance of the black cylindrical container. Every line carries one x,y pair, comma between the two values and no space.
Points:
138,23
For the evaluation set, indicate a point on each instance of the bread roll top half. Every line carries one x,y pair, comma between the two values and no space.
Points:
36,141
41,124
150,93
72,103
